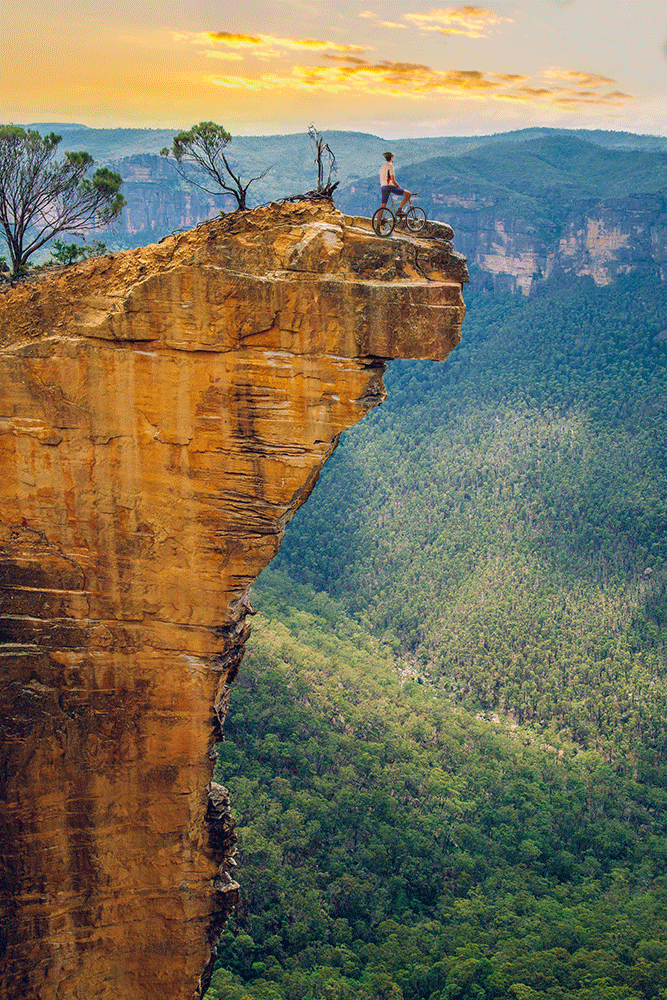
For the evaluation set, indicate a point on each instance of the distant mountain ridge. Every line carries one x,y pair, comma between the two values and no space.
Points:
113,143
527,207
550,207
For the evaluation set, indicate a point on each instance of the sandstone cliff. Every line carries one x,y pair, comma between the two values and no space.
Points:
163,414
597,238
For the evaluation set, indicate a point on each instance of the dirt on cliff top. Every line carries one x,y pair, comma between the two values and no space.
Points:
273,239
48,299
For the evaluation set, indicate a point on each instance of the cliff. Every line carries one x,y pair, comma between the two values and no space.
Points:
596,238
164,412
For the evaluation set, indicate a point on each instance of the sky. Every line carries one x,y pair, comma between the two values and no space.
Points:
394,69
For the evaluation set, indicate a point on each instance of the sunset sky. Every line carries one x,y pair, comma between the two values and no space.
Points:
393,69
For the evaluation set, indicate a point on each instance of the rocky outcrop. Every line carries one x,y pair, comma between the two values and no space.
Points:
163,414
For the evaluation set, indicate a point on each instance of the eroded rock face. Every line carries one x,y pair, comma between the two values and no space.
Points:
163,413
599,238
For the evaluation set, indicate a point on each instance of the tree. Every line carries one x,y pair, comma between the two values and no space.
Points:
203,147
40,197
320,148
66,253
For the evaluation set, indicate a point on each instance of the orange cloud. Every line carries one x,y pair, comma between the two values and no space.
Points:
230,38
263,46
473,22
270,41
382,24
412,80
577,95
582,79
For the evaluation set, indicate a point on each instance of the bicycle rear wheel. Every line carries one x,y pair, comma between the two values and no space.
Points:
415,219
384,221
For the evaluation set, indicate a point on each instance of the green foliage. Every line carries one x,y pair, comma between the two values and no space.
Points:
501,519
395,846
40,198
203,148
67,253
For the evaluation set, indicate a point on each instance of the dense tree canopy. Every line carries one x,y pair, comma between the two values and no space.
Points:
393,845
501,519
40,197
448,749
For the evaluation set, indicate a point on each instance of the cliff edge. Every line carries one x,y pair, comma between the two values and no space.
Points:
163,413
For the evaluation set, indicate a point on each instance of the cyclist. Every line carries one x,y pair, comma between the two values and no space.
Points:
389,185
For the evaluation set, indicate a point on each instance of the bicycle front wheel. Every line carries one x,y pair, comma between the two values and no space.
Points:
384,221
415,219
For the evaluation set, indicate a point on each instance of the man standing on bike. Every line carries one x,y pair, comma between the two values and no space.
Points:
389,185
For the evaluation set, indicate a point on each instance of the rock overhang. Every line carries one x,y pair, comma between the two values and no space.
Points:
163,413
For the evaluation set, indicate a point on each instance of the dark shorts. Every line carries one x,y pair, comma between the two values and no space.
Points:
388,189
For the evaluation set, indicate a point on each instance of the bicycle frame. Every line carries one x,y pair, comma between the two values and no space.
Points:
385,218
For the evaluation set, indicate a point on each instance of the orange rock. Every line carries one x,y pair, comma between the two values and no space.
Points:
164,413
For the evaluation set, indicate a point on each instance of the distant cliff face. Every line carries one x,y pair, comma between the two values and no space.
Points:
599,238
163,414
159,202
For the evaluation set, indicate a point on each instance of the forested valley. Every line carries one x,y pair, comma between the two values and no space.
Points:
447,748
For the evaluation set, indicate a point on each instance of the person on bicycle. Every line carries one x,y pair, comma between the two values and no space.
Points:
389,185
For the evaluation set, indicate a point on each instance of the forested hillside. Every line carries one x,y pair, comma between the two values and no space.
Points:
393,844
448,745
501,519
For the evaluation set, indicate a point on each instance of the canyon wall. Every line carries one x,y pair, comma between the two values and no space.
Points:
597,238
163,413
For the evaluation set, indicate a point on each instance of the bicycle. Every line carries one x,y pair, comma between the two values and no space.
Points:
385,219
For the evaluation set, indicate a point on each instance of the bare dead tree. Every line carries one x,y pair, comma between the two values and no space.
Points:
322,150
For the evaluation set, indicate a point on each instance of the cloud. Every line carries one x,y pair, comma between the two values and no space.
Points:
583,89
382,24
398,79
416,81
310,44
572,76
510,77
473,22
575,98
262,46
